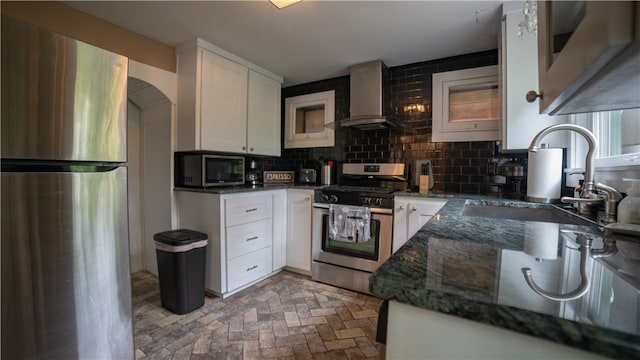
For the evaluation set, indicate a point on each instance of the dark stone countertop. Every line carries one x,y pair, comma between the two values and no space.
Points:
470,267
247,188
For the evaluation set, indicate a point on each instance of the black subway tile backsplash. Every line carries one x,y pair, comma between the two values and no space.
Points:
458,167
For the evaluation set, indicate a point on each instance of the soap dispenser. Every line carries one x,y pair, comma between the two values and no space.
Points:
629,207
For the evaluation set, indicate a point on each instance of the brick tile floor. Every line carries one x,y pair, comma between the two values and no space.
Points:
287,316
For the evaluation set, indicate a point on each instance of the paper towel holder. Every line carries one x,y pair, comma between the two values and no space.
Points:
545,175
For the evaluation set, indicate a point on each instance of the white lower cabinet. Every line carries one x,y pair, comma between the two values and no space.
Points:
247,268
242,230
245,238
417,333
245,209
299,212
410,214
279,246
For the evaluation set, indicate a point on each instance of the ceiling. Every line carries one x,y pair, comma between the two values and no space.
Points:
314,40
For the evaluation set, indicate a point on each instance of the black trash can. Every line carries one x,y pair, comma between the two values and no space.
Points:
181,256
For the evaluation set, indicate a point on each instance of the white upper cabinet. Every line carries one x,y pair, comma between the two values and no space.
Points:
263,118
225,103
589,56
521,120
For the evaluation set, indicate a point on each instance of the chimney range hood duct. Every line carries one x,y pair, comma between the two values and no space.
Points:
370,100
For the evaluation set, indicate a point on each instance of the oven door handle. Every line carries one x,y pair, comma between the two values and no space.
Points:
373,210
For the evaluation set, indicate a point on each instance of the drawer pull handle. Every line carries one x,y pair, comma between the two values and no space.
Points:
252,268
252,238
251,210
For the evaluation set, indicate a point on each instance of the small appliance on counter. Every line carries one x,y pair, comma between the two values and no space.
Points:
254,176
328,175
545,175
507,178
201,169
307,176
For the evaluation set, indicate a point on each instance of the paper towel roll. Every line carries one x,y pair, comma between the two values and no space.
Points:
544,176
541,240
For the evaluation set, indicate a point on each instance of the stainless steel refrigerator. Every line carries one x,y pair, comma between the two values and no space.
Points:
66,291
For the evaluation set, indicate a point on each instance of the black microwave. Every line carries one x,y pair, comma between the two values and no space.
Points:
194,169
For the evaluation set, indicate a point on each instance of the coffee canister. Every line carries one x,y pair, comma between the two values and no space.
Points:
544,175
327,174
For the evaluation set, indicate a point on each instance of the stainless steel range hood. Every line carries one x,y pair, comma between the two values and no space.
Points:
370,100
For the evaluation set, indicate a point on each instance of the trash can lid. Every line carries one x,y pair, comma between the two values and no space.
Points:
179,237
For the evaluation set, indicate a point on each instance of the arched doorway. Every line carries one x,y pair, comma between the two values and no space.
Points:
150,149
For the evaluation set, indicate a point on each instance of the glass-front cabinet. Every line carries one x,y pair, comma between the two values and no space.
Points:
588,56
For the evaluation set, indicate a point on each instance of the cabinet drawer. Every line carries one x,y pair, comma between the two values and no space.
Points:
247,209
243,239
247,268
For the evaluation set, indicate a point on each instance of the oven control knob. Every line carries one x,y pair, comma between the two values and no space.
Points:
379,201
333,199
325,197
366,201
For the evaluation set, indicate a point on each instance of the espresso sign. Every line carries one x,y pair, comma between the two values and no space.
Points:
283,177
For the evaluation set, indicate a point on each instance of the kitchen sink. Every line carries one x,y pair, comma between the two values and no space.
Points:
550,214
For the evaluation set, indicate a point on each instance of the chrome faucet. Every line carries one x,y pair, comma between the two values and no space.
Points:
589,200
584,240
611,205
588,186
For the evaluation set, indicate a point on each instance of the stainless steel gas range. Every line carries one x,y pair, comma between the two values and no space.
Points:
352,224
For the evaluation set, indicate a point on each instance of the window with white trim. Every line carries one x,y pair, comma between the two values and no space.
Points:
618,135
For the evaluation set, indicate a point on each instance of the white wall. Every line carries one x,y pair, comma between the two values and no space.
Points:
151,146
134,176
157,178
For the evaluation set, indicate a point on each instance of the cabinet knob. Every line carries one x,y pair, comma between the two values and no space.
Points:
532,95
401,207
414,209
251,149
306,199
244,148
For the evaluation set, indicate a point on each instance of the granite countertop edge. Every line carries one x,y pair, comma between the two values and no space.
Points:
393,281
248,188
